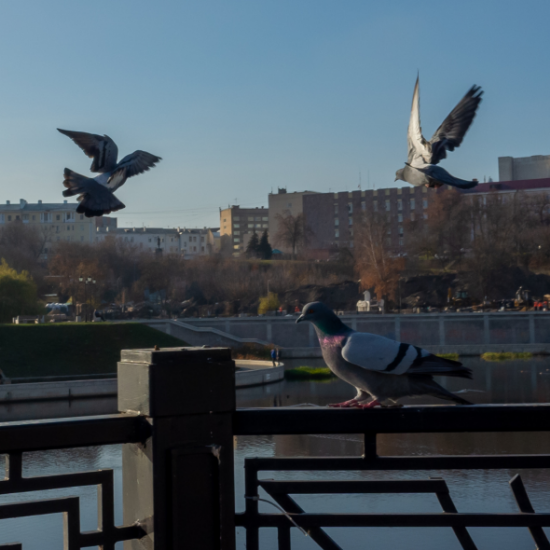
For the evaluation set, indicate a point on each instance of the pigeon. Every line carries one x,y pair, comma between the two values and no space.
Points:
421,166
96,195
382,370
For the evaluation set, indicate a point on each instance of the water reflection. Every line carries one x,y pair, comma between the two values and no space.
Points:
473,490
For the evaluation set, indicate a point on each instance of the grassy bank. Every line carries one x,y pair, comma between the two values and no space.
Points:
506,356
73,348
309,373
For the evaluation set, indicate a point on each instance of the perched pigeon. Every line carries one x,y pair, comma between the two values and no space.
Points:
96,195
421,166
381,369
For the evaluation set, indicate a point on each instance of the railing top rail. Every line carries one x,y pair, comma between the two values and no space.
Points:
39,435
409,419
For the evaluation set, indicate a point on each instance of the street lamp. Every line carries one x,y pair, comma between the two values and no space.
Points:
87,281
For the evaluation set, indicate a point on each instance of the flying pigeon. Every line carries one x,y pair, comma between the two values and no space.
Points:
382,370
421,166
96,195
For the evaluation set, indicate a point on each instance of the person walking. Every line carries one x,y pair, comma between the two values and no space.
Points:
274,356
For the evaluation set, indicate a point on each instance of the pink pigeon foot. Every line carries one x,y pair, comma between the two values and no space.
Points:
345,404
371,405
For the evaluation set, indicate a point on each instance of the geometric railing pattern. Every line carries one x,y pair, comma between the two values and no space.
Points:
295,516
106,535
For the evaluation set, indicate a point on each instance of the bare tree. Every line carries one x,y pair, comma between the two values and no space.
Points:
292,231
377,265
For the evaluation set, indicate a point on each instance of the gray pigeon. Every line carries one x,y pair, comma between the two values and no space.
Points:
421,166
382,370
96,195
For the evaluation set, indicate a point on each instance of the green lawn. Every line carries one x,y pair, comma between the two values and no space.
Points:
309,373
73,348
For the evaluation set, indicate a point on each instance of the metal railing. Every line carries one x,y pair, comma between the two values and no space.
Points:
430,419
177,432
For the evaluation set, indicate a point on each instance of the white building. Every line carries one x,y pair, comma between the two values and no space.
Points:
189,242
55,221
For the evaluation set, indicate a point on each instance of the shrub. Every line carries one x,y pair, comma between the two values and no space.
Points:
268,303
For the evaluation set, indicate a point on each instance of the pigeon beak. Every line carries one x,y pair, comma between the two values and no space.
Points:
300,319
396,178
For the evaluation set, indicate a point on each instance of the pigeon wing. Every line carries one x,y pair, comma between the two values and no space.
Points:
380,354
439,176
131,165
101,148
451,133
419,148
376,353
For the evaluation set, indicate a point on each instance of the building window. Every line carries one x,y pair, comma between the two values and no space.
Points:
265,225
237,239
388,205
33,218
336,233
375,192
412,204
399,204
81,239
236,218
250,219
350,221
336,209
202,248
375,206
399,190
399,218
224,220
57,217
336,222
363,205
387,191
265,219
350,208
81,216
412,216
335,195
400,242
237,232
400,230
424,203
389,231
251,226
425,215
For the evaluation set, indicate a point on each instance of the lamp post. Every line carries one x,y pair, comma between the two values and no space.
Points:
86,281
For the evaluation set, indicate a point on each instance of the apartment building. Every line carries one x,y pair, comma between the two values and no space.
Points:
523,168
238,224
188,242
55,221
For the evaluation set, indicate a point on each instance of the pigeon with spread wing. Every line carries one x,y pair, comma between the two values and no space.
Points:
96,195
422,167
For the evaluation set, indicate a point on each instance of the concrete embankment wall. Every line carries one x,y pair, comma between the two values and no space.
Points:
256,373
469,334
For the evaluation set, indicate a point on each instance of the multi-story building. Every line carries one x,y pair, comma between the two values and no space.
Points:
524,168
528,186
55,221
188,242
332,218
238,224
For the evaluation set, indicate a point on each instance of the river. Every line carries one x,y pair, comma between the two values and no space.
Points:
525,381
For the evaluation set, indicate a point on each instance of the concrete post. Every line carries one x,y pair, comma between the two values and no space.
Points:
180,485
486,330
397,328
532,335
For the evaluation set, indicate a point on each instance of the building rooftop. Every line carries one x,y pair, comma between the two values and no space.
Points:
516,185
24,206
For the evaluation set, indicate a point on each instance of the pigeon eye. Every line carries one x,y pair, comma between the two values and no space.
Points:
311,311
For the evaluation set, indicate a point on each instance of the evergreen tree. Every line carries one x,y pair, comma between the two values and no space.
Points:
264,248
252,249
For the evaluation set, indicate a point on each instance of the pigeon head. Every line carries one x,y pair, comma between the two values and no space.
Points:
399,175
322,317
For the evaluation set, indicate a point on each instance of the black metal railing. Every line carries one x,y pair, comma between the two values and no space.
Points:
177,430
430,419
19,437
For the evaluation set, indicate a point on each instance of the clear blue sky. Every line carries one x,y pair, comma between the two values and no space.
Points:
243,96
